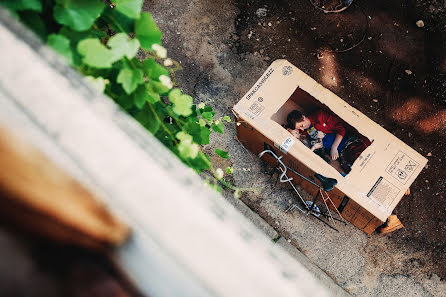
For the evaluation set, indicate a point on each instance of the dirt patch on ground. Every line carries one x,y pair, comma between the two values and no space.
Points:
375,57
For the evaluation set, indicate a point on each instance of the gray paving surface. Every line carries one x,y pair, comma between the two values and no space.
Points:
201,35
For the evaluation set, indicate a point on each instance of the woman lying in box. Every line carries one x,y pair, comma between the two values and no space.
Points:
322,130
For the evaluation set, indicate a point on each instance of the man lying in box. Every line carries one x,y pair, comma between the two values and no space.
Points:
322,131
325,131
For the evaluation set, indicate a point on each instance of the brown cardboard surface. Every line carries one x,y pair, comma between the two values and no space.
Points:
379,177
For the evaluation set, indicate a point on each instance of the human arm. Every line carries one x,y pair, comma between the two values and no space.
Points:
334,147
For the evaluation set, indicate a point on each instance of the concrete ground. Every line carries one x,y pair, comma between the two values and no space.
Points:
395,75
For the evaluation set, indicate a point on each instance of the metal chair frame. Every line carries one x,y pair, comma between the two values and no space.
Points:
311,209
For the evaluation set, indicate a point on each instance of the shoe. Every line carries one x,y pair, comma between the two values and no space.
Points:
327,183
392,224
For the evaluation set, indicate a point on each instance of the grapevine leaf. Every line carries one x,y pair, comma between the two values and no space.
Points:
79,15
61,45
147,31
218,126
19,5
121,45
140,96
201,122
153,69
222,153
182,104
130,79
148,119
97,83
208,115
227,119
130,8
95,53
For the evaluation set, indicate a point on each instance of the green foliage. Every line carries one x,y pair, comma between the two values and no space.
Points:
182,104
222,153
95,54
218,126
130,79
147,31
79,15
102,41
19,5
129,8
61,44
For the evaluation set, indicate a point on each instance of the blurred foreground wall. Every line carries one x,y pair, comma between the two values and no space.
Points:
186,239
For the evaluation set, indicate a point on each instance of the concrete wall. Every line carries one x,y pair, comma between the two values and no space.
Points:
187,240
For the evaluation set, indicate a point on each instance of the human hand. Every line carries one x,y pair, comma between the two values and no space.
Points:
334,152
320,134
295,133
316,146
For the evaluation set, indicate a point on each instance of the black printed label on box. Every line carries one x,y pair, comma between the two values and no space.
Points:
286,145
256,108
383,192
402,167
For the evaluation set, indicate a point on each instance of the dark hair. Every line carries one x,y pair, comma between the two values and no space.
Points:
294,117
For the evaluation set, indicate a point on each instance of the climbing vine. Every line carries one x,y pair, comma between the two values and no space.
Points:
102,39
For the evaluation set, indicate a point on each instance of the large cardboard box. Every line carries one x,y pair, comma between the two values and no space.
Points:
380,176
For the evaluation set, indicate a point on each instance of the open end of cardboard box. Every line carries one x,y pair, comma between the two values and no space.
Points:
302,101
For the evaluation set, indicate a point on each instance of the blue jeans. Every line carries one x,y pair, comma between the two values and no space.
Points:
329,138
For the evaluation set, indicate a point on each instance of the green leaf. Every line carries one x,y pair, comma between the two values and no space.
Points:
218,126
186,147
229,170
140,96
130,79
200,134
121,45
95,53
222,153
147,31
208,115
19,5
79,15
74,36
153,96
158,87
182,104
97,83
118,21
227,119
201,122
34,21
148,119
153,70
125,101
200,162
61,45
130,8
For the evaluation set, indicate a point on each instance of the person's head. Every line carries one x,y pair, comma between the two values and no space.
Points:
297,120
